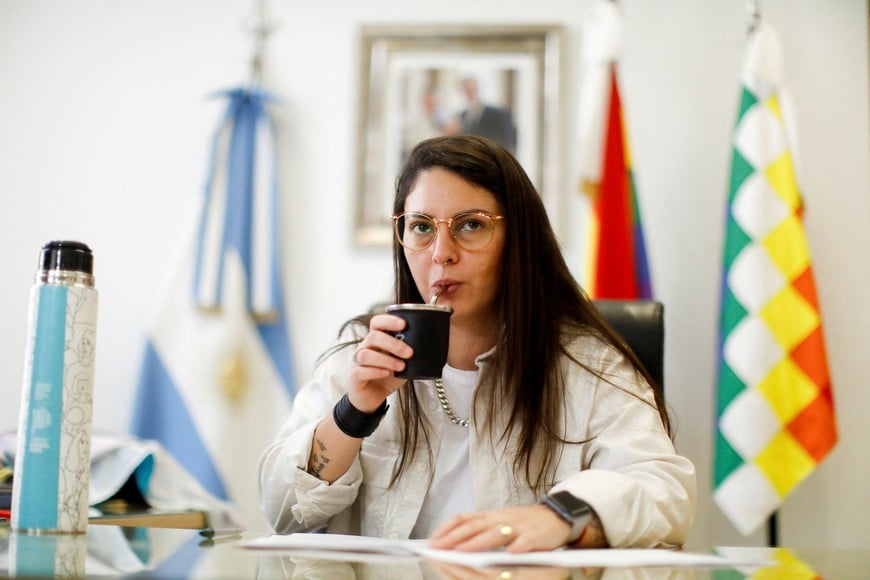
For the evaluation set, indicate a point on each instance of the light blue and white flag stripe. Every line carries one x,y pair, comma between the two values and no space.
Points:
242,162
216,380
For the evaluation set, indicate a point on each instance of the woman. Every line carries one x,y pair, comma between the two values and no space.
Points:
548,431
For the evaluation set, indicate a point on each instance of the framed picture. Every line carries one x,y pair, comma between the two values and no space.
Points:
501,82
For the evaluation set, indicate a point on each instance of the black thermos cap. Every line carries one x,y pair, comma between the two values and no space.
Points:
66,255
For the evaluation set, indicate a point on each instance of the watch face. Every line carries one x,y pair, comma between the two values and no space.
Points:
572,506
573,510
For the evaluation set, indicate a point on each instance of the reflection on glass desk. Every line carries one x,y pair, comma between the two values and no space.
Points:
108,550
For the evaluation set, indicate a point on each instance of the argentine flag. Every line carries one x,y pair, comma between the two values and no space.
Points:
216,377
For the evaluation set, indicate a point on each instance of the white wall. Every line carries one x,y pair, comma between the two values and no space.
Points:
103,136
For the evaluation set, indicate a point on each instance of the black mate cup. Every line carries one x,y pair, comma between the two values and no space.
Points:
428,333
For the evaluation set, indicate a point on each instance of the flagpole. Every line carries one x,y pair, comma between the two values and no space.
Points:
753,11
772,531
260,28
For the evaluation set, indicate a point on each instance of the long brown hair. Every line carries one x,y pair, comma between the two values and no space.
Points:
540,306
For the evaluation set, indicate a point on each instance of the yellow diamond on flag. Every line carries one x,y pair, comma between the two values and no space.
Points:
788,566
781,176
787,247
784,462
789,317
772,103
788,390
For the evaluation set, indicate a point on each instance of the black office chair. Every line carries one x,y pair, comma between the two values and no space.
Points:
641,324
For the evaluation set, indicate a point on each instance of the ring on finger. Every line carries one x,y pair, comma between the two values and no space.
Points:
507,532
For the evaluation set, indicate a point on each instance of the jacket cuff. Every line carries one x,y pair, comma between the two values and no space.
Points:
317,500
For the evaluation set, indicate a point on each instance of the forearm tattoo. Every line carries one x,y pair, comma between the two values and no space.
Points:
317,461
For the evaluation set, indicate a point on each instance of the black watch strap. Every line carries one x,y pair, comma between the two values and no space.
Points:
573,510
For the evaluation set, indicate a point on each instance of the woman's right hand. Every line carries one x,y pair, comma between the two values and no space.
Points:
377,357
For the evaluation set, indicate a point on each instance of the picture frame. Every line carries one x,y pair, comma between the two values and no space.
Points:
421,81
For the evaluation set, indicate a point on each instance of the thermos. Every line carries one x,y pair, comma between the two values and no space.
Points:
52,462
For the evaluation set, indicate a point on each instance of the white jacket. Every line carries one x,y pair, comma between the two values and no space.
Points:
643,492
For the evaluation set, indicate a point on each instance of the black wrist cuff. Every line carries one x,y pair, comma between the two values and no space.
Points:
355,423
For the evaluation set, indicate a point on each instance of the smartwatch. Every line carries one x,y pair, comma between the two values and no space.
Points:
571,509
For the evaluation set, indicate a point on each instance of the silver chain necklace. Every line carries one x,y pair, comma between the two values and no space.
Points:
445,404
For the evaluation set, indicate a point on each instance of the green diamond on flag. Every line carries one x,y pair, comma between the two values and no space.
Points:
775,407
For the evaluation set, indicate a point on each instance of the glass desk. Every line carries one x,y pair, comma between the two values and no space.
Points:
108,550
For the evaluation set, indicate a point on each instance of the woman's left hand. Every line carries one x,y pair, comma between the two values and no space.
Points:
516,529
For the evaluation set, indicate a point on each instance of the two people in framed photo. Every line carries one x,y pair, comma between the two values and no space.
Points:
477,116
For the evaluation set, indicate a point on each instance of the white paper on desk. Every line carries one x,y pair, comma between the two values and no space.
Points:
409,548
335,543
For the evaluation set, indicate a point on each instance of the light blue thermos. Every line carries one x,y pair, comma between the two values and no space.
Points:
52,461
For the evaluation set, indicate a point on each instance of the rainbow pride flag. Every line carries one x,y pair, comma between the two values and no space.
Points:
775,408
616,261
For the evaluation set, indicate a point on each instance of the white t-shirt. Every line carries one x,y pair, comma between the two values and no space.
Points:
451,491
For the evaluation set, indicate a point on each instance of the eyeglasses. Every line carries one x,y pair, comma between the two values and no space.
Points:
472,230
